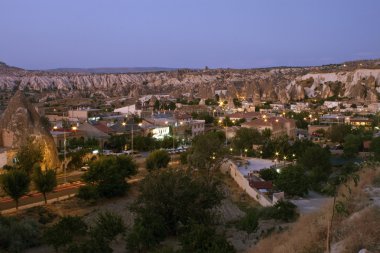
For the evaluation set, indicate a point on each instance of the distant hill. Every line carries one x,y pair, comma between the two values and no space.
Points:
6,69
110,70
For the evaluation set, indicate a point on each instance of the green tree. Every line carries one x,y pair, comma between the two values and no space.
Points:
157,159
63,233
245,138
205,150
148,230
351,146
268,174
44,181
337,133
108,174
177,197
199,238
28,155
15,183
292,181
285,211
316,161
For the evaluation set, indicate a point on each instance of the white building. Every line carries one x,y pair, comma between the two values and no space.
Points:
128,110
331,104
197,127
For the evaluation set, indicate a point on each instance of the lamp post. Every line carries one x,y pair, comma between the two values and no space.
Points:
132,134
276,157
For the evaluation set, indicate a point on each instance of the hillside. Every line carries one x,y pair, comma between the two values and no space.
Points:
354,80
353,229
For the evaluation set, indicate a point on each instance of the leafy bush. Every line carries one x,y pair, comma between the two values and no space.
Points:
285,211
63,233
249,222
88,192
200,238
268,174
18,235
107,176
157,159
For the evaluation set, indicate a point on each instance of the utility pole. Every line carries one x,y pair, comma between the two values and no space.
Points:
64,152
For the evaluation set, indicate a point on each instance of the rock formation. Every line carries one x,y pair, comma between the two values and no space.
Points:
357,80
21,122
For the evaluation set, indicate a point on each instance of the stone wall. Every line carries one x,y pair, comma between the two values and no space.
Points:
232,169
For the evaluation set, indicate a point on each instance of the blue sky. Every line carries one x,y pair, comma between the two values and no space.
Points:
42,34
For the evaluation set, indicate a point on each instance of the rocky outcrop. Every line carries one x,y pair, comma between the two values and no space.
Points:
278,84
20,122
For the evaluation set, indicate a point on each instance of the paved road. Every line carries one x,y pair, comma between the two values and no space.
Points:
62,190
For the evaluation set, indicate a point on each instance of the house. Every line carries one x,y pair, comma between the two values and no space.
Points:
278,125
299,107
332,119
359,122
90,131
60,135
331,104
83,114
130,109
247,116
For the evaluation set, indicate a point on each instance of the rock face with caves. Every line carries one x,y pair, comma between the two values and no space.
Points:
21,122
358,80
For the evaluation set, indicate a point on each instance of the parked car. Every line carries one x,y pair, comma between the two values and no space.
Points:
85,168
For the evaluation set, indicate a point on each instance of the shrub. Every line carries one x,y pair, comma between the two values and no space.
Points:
201,238
285,211
249,222
18,235
157,159
88,192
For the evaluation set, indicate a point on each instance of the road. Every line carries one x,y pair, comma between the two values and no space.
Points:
34,197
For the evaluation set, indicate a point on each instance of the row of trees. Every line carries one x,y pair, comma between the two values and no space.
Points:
16,181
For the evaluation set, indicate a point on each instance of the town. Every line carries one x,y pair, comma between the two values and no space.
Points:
173,126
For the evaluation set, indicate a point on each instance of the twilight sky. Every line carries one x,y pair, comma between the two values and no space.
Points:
42,34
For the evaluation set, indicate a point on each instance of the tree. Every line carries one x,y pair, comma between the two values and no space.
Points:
15,183
148,230
206,149
44,181
337,133
171,199
62,233
351,146
245,138
292,181
157,159
316,161
268,174
108,173
199,238
28,155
